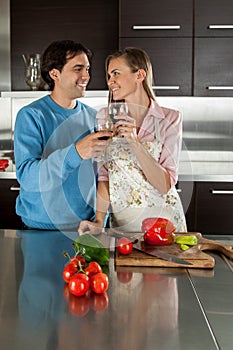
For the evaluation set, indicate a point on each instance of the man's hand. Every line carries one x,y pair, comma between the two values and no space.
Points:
91,146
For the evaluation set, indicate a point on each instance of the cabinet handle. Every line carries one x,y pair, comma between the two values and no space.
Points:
166,87
221,191
220,26
172,27
14,188
220,87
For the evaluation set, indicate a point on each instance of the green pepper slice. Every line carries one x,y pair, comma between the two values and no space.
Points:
187,240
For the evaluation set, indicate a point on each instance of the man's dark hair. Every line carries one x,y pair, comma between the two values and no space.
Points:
56,56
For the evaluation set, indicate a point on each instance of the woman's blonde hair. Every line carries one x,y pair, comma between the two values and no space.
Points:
136,59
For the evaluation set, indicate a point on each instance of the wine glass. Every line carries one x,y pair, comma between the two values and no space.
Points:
103,124
117,108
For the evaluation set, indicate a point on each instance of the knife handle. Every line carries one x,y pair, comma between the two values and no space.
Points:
208,244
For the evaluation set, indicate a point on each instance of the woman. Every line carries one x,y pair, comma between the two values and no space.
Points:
139,179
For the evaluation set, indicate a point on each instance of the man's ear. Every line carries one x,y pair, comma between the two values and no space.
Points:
54,73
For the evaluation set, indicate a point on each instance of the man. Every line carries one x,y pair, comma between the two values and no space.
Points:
54,145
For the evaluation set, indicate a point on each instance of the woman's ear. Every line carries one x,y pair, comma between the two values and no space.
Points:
141,74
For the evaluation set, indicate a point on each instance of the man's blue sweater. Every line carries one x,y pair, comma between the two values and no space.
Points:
57,187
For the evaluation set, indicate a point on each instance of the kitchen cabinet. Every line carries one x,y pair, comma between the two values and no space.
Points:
207,206
186,191
213,48
9,189
164,31
214,18
190,43
35,24
213,64
167,18
171,59
214,203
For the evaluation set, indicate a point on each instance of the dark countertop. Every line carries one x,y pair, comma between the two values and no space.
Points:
148,308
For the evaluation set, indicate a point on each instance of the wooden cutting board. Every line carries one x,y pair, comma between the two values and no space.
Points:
194,255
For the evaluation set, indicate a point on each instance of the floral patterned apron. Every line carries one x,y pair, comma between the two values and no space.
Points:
132,197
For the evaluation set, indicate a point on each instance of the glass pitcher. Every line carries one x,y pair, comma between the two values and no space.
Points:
32,70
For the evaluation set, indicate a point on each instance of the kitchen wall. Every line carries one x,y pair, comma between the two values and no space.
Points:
207,127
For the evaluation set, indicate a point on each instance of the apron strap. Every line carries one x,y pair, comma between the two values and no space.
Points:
157,131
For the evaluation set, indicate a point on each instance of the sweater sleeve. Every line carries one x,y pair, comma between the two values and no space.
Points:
34,165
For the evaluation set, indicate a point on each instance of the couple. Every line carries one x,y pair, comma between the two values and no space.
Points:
55,148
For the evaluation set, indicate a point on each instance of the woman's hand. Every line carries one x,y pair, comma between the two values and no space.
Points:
93,228
126,127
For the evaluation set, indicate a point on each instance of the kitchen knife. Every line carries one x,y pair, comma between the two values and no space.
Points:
140,246
132,236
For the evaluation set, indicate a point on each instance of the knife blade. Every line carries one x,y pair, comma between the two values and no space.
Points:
132,236
159,254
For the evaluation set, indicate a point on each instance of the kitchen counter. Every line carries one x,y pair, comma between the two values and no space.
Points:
148,308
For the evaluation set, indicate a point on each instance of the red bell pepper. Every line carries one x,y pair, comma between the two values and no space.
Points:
3,164
158,231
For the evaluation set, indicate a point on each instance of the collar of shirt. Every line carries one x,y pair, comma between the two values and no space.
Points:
147,129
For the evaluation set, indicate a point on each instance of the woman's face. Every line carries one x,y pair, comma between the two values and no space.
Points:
121,81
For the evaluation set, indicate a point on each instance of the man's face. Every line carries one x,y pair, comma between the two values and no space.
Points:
74,77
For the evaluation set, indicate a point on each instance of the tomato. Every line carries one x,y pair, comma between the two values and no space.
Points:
78,260
100,302
79,306
79,284
99,282
124,246
93,268
69,270
158,231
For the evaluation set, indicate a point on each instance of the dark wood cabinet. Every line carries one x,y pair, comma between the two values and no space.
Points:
207,206
9,189
213,18
213,65
164,31
171,60
167,18
190,41
186,191
214,203
213,48
35,24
